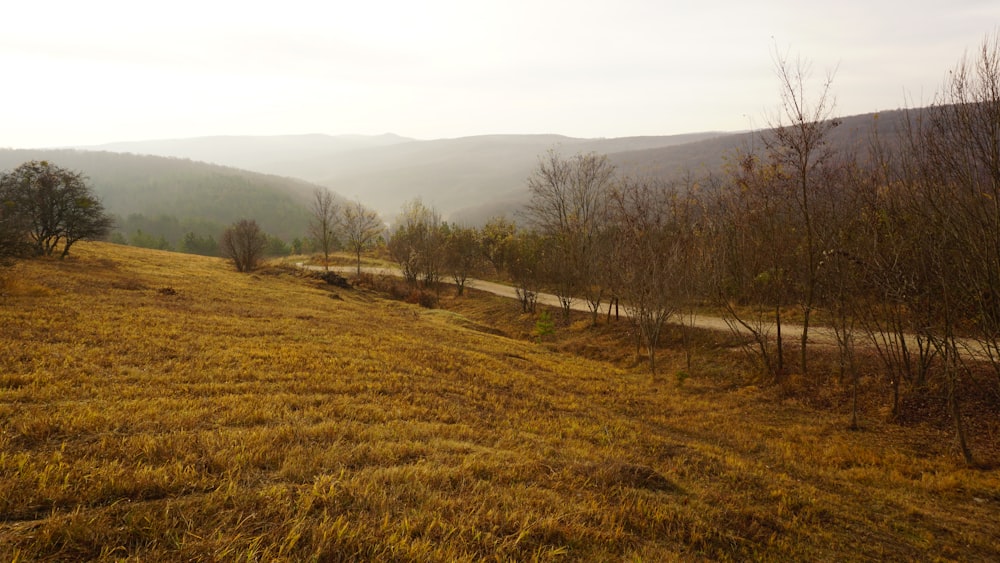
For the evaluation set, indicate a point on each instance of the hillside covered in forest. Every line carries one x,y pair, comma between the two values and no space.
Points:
167,189
169,197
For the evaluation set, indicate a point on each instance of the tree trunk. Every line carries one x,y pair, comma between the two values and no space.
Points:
638,343
565,303
854,402
805,339
956,415
895,396
779,373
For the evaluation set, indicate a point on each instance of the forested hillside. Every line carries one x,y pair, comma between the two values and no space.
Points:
471,179
158,200
274,154
169,197
710,156
452,175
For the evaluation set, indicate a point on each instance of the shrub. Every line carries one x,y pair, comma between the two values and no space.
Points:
422,297
244,243
544,326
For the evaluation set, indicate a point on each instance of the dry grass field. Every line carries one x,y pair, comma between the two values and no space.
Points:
162,407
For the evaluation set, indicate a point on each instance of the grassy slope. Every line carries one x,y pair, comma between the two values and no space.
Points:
259,417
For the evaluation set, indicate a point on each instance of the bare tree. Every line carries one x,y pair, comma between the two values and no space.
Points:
568,206
417,243
694,284
751,261
361,227
842,274
463,257
954,197
648,250
243,243
798,143
526,254
323,224
893,307
494,241
961,134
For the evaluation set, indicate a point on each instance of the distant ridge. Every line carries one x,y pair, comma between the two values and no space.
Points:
468,179
256,153
206,197
385,171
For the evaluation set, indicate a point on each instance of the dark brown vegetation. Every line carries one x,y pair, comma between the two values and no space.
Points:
42,206
243,243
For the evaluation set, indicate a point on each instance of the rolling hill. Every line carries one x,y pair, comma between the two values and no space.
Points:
207,183
204,196
277,154
162,407
386,171
469,179
709,155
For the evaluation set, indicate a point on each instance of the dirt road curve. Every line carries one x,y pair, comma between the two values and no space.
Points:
789,332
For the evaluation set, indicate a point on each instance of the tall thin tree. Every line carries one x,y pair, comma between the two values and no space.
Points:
324,221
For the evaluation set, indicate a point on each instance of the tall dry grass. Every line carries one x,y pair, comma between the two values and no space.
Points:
159,406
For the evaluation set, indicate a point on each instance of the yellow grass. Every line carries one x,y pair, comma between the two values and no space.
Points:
160,407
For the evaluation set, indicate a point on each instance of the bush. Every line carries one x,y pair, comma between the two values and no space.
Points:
422,297
335,279
544,327
398,290
244,244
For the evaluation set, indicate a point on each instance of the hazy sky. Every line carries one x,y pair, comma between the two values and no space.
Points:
85,72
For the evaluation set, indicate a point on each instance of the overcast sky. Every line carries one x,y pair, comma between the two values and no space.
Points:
86,72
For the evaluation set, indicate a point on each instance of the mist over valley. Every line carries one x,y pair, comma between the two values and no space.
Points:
468,179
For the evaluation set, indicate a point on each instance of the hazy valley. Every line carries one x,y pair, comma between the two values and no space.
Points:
202,184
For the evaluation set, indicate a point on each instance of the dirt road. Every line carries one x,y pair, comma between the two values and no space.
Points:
789,332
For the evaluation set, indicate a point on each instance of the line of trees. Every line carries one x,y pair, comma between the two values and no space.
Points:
190,236
333,225
586,236
894,243
429,250
338,225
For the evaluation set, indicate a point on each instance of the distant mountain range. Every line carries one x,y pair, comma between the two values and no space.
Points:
469,178
386,171
213,181
276,154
